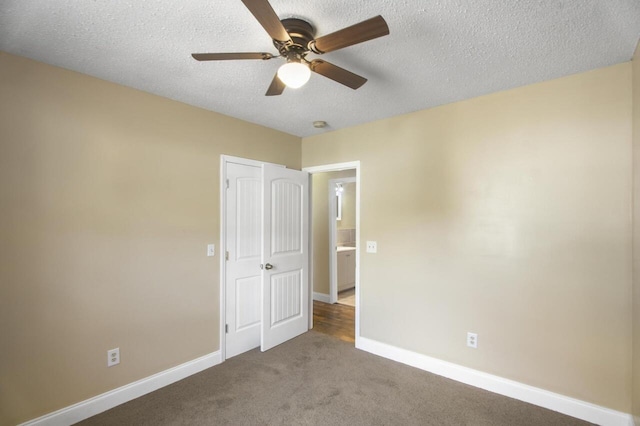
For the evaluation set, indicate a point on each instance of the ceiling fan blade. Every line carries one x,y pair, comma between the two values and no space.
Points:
338,74
267,17
276,88
365,30
229,56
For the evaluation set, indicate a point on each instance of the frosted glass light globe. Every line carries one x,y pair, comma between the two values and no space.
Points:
294,74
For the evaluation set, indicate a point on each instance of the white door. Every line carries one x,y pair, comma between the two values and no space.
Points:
285,289
243,231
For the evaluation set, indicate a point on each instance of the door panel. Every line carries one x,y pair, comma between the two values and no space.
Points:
249,215
285,292
286,227
286,296
248,306
244,244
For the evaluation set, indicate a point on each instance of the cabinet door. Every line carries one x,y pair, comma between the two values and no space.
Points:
342,268
350,268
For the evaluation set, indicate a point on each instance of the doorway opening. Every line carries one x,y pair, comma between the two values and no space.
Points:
342,238
334,248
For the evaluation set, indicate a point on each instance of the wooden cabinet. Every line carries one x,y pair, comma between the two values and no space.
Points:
346,269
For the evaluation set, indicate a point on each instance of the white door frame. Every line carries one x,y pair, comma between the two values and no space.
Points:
333,229
224,159
336,167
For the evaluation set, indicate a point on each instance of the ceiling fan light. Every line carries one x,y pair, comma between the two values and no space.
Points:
294,74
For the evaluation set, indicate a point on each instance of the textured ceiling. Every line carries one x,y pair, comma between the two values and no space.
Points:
438,51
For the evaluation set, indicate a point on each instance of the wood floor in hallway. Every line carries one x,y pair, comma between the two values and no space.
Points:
335,319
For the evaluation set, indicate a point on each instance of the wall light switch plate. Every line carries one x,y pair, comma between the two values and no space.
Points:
211,249
372,247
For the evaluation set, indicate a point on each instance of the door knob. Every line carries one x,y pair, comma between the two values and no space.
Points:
268,266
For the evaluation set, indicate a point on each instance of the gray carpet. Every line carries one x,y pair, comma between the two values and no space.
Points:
317,379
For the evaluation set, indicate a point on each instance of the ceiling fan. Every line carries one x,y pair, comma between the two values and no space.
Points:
294,39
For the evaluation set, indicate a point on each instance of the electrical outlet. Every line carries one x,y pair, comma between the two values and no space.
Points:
472,340
211,249
113,357
372,247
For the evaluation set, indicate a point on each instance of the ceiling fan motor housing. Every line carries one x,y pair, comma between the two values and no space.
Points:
301,33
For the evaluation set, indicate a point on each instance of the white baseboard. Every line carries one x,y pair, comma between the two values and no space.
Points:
540,397
321,297
92,406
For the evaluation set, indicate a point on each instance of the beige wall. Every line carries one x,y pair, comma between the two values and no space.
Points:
348,220
320,226
109,198
506,215
511,221
636,235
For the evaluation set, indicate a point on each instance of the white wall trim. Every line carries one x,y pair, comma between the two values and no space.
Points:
96,405
335,167
222,253
321,297
540,397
